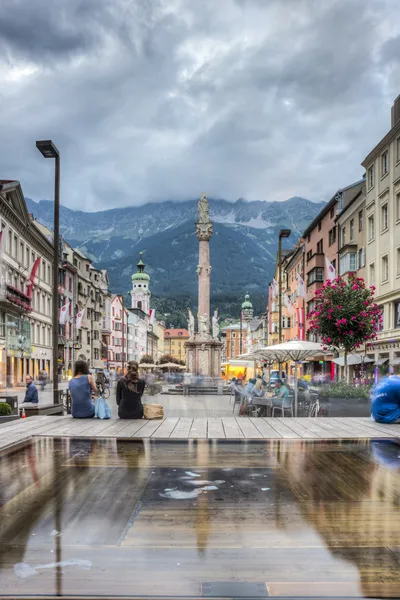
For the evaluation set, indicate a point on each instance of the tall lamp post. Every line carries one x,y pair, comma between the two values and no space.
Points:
246,315
49,150
284,233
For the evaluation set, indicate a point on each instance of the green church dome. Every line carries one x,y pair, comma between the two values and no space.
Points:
247,303
140,275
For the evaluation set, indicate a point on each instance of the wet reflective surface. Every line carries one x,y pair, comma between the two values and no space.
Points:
201,519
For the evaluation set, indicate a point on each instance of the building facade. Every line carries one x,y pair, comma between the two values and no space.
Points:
382,167
174,343
26,275
118,349
351,225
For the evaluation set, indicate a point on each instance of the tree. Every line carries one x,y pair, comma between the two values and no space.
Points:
147,358
166,358
345,315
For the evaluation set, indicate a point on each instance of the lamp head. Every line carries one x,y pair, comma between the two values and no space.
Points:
284,233
47,148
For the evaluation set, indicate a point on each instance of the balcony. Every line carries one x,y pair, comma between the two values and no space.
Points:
19,300
316,261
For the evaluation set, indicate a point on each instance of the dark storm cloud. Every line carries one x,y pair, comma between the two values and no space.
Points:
160,99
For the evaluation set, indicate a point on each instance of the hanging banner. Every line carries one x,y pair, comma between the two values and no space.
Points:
64,312
31,280
330,269
79,318
300,324
152,316
288,304
301,288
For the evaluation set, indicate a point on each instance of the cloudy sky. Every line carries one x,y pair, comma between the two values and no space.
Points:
164,99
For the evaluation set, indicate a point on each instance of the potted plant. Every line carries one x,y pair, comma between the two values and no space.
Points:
6,413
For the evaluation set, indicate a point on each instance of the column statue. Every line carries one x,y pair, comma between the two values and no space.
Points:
191,325
204,210
215,325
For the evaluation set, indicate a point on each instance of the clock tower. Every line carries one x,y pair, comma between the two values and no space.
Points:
140,293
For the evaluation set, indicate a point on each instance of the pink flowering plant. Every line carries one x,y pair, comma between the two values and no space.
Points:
345,315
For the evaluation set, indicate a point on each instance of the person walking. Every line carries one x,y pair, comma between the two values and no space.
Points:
31,394
129,393
81,388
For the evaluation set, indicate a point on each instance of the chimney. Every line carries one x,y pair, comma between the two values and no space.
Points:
396,111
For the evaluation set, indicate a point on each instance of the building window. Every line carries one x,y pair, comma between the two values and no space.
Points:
15,247
22,253
371,228
316,274
348,263
352,229
332,212
309,255
344,236
384,216
396,315
309,238
360,220
332,236
361,258
372,274
96,354
385,163
320,247
398,262
398,206
385,268
88,337
371,176
319,226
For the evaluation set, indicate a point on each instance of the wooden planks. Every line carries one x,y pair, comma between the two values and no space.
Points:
182,429
215,429
166,428
232,429
199,428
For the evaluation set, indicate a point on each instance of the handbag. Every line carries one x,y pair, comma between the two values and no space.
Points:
153,411
101,409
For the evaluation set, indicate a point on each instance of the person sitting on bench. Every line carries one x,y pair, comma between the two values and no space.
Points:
31,394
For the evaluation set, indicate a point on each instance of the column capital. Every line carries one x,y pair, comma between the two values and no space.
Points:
204,231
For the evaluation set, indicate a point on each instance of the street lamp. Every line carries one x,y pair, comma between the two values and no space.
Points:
284,233
246,315
48,150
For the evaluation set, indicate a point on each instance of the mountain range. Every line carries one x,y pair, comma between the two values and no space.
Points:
243,248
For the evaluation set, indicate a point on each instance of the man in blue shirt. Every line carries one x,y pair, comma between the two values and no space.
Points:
385,406
31,394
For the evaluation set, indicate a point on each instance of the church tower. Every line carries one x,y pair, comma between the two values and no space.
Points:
140,293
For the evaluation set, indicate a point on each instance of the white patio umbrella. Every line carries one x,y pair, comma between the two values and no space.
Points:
147,366
352,359
295,350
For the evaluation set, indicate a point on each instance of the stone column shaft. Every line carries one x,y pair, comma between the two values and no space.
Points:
204,278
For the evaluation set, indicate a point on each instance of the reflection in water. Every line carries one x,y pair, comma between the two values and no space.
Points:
299,518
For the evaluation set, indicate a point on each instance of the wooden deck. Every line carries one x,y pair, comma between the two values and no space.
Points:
178,428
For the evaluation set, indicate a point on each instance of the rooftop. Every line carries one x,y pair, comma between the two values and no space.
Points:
174,333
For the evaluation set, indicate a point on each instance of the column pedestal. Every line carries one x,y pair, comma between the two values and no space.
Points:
203,357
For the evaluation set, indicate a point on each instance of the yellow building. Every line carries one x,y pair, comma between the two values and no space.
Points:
174,342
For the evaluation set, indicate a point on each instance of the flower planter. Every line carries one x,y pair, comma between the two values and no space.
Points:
8,418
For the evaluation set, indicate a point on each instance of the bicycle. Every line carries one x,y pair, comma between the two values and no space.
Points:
104,390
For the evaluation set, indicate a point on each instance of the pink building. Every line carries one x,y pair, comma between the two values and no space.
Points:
117,349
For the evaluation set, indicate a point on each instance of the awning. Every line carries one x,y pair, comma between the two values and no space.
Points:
381,361
353,359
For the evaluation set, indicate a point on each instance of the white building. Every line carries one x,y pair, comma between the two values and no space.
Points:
383,238
26,276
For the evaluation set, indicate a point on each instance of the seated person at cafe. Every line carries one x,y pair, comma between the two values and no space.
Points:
385,406
257,391
281,394
249,386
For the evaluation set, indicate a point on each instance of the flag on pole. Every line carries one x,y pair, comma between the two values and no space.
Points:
79,318
331,271
31,279
301,288
274,288
64,312
288,304
300,324
152,316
